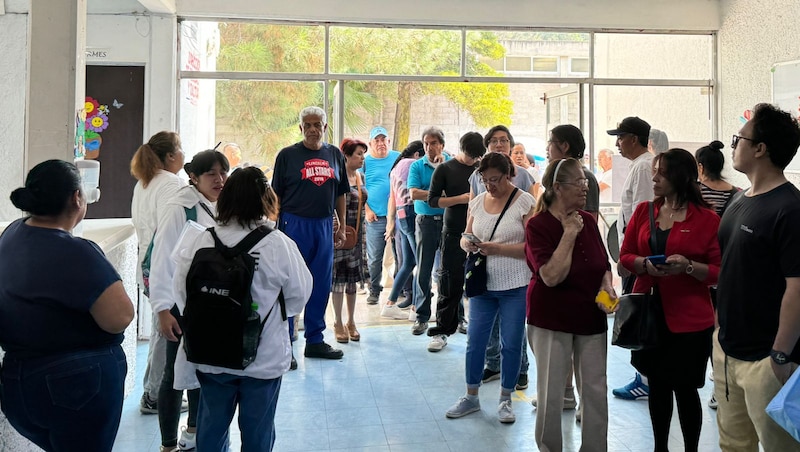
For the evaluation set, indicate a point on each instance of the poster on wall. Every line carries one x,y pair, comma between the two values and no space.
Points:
786,95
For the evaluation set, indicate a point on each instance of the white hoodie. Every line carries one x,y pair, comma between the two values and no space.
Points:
279,265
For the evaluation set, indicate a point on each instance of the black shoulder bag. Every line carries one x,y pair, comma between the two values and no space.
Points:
639,319
475,276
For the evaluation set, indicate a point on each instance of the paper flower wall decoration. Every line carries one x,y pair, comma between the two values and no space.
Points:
96,122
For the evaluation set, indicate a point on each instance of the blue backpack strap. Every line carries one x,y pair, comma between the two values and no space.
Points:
191,213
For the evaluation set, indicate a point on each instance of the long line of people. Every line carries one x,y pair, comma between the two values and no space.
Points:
545,263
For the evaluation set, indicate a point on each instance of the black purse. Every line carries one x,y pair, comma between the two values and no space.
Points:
639,319
475,276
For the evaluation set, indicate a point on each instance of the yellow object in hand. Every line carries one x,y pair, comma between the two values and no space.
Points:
605,299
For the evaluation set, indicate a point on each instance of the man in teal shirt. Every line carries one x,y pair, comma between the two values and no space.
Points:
429,222
377,164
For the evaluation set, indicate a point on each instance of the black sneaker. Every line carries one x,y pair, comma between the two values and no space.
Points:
373,298
489,375
148,405
322,350
522,382
293,364
419,328
462,327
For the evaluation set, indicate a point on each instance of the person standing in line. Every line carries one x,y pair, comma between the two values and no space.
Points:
63,311
401,215
247,203
657,143
499,139
686,232
500,237
310,180
450,190
523,160
155,166
605,162
207,172
347,263
377,165
756,347
429,223
633,135
715,189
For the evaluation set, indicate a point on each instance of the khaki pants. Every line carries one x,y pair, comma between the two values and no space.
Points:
741,417
555,352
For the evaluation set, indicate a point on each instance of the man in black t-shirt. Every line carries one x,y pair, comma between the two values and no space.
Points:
758,294
450,190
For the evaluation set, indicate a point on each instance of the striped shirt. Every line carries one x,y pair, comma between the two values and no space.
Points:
718,199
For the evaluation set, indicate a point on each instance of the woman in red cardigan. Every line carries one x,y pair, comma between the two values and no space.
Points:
686,232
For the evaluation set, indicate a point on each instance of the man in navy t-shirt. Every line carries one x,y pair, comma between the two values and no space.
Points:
310,179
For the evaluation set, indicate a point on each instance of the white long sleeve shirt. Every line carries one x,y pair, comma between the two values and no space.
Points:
147,203
171,221
279,265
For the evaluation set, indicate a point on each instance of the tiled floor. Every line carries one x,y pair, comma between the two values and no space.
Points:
389,393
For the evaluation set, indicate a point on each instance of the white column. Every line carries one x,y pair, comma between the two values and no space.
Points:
56,78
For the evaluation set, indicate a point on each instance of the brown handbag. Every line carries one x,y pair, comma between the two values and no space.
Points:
351,233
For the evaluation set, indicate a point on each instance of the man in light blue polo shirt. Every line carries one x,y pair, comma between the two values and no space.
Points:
377,164
429,222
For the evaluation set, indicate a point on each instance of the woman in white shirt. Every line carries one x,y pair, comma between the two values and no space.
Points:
245,205
155,166
208,172
507,281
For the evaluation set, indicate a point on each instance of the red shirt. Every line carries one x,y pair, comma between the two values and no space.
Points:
568,307
686,301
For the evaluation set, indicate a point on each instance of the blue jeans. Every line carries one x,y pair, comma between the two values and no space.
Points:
509,306
408,244
493,350
376,244
257,400
428,234
68,401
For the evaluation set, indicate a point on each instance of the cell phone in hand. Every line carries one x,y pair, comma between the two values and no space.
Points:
470,237
658,259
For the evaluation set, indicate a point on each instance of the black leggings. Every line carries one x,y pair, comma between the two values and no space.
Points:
170,400
690,413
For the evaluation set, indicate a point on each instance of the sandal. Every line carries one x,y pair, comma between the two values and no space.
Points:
341,334
355,336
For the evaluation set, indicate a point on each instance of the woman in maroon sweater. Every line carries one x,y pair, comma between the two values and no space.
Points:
570,266
686,232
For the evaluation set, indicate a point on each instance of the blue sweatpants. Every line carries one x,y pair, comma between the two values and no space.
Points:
314,239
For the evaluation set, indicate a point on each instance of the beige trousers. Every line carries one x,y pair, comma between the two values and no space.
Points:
555,352
741,416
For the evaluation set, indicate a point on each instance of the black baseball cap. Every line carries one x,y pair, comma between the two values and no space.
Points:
633,125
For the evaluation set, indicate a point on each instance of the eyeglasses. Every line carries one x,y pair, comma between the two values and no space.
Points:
582,182
491,181
499,141
736,139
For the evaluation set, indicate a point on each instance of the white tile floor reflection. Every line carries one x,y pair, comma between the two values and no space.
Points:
389,393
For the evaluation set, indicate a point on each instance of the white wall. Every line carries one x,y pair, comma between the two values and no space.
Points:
754,35
661,14
13,78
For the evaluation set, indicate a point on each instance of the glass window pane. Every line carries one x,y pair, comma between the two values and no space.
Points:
394,51
653,56
545,49
579,65
252,47
261,117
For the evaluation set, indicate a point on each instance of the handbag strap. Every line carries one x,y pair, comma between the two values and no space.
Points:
653,242
508,203
358,215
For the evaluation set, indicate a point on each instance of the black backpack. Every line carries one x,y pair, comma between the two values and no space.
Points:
221,326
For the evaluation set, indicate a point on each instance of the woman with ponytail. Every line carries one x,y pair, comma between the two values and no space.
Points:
155,165
715,189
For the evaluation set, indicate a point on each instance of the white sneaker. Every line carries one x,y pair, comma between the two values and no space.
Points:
391,311
412,316
188,440
505,413
437,343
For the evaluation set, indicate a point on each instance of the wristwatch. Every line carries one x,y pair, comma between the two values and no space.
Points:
780,358
689,268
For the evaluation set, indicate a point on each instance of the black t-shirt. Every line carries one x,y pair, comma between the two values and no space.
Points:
308,182
760,246
451,178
